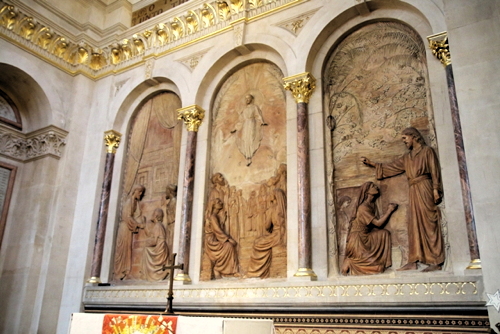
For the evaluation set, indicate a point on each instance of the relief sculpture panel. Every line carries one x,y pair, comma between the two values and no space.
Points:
375,87
245,212
145,230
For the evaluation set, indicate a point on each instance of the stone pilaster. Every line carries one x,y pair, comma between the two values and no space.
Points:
112,140
440,49
192,117
302,86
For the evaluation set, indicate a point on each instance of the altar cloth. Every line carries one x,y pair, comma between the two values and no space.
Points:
97,323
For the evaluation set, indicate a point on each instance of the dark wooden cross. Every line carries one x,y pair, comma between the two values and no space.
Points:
171,267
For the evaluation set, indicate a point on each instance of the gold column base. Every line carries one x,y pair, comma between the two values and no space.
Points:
305,272
182,277
475,264
94,280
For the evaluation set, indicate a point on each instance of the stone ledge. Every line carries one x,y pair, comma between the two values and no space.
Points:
236,293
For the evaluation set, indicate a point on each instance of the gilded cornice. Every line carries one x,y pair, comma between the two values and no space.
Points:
141,42
47,141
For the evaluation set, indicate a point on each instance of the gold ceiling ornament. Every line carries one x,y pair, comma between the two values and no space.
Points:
301,85
112,139
192,116
97,61
438,43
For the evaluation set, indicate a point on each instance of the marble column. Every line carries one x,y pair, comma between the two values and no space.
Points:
112,140
302,85
192,117
440,48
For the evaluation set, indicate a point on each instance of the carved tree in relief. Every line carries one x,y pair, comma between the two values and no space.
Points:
248,159
375,86
152,160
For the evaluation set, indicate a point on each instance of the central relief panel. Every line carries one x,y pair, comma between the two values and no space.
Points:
245,213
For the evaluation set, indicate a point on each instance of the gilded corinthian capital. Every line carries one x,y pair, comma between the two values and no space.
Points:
192,117
112,140
440,48
301,85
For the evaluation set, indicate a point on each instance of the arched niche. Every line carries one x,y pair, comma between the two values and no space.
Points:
28,96
151,160
375,84
246,164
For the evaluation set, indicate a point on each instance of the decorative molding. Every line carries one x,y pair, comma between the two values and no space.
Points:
296,24
44,142
149,69
238,33
97,61
384,292
192,117
193,60
438,43
301,85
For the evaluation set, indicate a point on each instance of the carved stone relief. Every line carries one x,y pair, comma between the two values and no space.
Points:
247,164
48,141
375,87
245,235
152,162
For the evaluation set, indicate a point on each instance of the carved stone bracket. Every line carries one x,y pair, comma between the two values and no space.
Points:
301,85
192,116
112,140
438,43
47,141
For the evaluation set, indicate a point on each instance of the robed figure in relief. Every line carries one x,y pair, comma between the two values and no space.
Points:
155,254
368,247
249,131
423,172
220,246
274,235
132,220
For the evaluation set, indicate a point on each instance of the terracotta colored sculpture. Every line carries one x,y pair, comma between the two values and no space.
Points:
261,210
155,254
279,179
275,235
132,220
368,247
233,227
252,213
219,246
170,207
343,223
424,177
220,190
249,132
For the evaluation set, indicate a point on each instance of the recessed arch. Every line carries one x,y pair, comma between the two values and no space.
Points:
29,97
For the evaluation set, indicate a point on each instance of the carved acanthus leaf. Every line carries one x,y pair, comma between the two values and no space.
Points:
296,24
193,60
